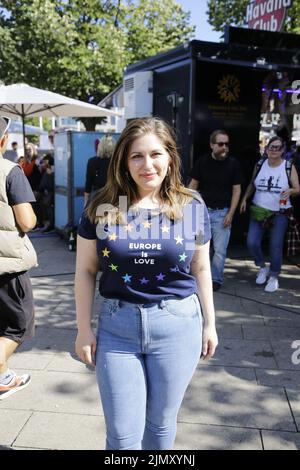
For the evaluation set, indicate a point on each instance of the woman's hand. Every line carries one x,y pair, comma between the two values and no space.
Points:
209,342
85,346
243,206
287,193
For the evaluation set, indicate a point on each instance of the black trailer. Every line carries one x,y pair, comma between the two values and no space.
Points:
202,86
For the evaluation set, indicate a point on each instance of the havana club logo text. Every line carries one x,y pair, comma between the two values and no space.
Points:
267,14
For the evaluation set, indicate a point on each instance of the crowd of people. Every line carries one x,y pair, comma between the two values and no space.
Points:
274,186
39,171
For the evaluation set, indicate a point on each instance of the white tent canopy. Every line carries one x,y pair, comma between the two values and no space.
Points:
27,101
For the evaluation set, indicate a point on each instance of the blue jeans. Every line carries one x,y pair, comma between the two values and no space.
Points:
146,357
277,234
220,239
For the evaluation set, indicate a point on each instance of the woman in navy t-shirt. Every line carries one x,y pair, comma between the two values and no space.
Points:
151,236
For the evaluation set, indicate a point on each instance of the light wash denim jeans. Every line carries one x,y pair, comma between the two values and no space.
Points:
277,234
220,240
146,357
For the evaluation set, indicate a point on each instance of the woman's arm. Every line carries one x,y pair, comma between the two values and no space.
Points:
295,189
87,266
200,268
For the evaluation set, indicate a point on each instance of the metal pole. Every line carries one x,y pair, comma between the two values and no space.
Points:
23,125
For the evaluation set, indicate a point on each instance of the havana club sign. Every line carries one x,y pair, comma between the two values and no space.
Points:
267,14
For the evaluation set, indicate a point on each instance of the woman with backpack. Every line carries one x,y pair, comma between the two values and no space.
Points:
273,182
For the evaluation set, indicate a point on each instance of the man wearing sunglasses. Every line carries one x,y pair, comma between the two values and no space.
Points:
17,255
217,176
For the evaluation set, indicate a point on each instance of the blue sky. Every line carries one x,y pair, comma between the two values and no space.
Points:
199,19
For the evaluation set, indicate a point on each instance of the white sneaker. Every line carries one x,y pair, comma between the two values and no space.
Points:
262,275
16,384
272,284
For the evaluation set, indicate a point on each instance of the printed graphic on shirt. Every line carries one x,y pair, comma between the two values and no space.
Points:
271,184
148,257
143,239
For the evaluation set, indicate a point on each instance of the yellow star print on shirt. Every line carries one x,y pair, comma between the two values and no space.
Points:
147,224
105,252
113,237
113,267
165,229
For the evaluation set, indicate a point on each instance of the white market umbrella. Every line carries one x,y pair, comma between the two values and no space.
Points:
26,101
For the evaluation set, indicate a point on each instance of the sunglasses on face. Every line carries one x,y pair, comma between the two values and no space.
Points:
222,144
275,148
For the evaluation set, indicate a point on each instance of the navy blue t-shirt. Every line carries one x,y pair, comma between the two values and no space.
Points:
18,189
148,259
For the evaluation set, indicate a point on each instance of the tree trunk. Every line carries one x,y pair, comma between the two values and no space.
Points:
90,123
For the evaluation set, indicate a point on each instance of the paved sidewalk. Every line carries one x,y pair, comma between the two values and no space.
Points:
247,397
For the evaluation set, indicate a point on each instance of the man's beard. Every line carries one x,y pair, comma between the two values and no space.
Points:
220,157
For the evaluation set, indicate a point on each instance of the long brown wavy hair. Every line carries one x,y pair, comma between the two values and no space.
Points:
173,194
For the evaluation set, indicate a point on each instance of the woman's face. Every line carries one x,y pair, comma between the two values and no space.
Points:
148,163
29,152
275,150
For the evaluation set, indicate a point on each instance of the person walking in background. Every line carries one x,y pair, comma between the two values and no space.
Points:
33,174
15,151
217,176
154,254
97,167
17,255
46,193
272,185
31,168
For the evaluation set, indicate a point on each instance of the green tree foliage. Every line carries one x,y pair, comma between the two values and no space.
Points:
80,47
233,12
155,26
34,121
293,18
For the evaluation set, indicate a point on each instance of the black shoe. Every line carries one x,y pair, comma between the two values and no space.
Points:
216,286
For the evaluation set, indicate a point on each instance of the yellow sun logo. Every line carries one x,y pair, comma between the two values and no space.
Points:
229,89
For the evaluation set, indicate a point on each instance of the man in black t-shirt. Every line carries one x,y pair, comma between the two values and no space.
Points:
217,177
